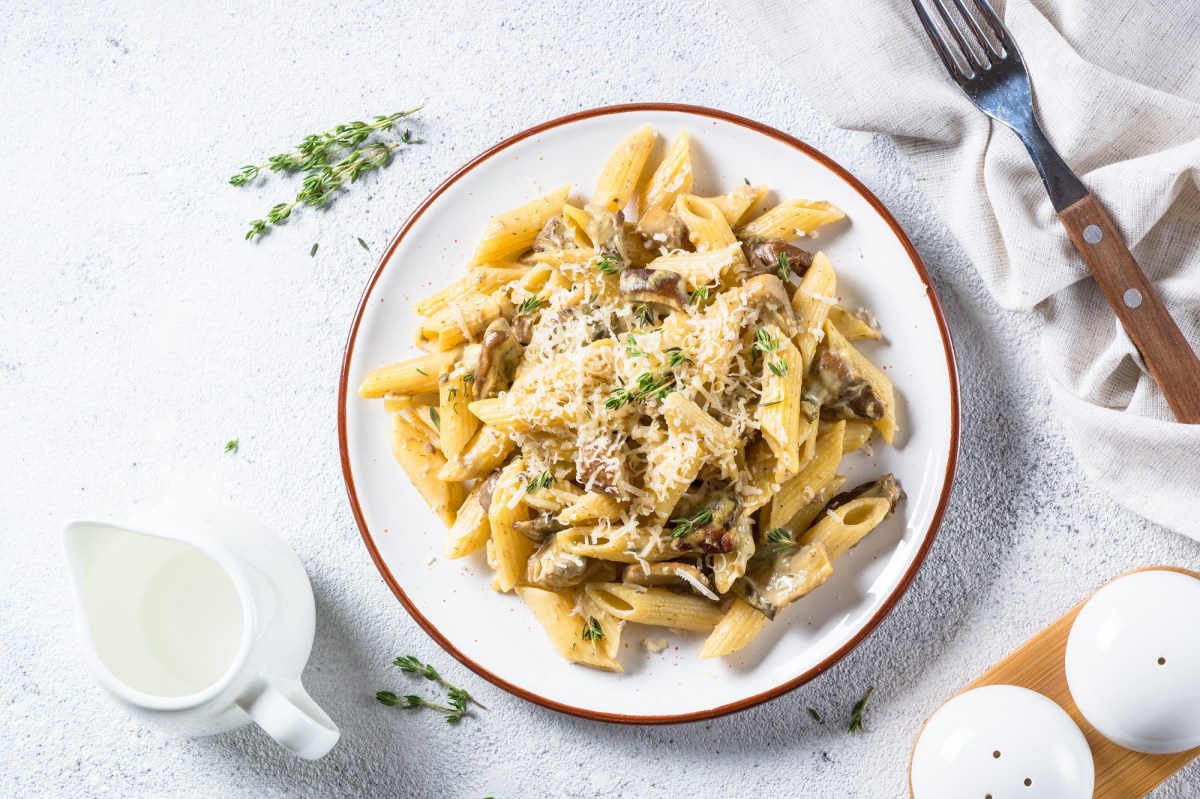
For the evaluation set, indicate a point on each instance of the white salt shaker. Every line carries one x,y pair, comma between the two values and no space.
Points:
998,742
1133,661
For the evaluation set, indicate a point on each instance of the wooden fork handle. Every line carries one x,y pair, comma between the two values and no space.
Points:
1164,350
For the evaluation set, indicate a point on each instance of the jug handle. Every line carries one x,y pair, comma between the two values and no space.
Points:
291,717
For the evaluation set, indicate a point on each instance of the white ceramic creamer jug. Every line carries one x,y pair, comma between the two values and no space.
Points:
199,619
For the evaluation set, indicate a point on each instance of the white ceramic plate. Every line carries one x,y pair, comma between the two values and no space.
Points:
495,634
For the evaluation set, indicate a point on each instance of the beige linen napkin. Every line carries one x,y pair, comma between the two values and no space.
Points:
1117,87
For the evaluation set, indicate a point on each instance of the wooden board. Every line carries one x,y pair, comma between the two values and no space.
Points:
1039,665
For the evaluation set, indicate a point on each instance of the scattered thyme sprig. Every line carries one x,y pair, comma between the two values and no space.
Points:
856,715
784,271
766,342
632,349
530,305
684,526
435,417
591,630
329,159
781,539
644,314
609,264
231,445
457,698
454,712
699,295
816,714
543,480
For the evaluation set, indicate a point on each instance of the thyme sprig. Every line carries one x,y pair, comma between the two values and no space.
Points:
530,305
329,159
856,715
592,630
609,264
543,480
457,699
766,342
784,271
648,385
781,539
683,526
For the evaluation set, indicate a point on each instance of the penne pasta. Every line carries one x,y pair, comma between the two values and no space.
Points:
779,415
844,527
509,549
513,232
487,450
407,377
553,610
471,528
672,178
803,488
658,606
791,219
621,173
421,462
736,205
740,625
706,225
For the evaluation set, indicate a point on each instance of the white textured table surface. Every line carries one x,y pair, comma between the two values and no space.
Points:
139,333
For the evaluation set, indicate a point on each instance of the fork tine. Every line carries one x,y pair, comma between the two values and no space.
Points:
939,43
996,24
984,41
972,60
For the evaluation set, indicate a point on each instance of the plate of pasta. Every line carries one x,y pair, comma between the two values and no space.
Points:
649,413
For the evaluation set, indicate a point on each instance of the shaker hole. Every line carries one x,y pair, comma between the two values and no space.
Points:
1162,661
1028,782
996,753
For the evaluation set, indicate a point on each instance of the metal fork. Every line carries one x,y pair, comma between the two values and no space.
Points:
993,75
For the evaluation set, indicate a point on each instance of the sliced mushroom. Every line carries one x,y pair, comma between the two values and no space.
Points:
709,525
552,567
774,582
767,293
498,360
522,328
842,389
554,236
487,489
600,465
659,228
607,231
537,529
885,486
658,288
767,256
682,576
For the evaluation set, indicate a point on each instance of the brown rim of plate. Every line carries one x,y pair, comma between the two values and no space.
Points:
889,603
